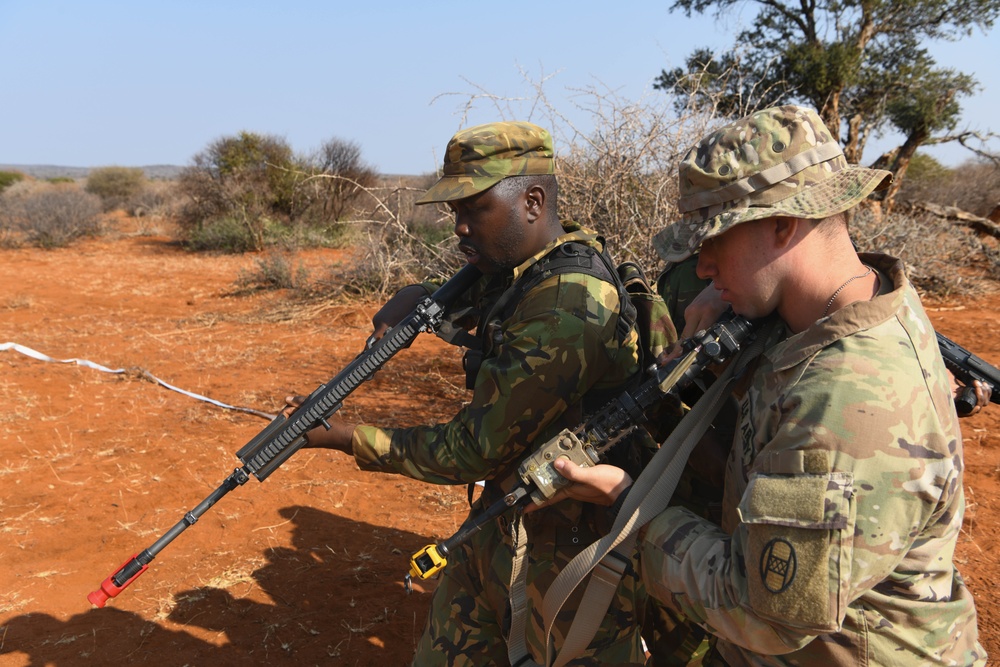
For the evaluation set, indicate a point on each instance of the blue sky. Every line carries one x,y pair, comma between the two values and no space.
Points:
108,82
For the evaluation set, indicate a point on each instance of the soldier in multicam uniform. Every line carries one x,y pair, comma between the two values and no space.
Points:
558,347
843,497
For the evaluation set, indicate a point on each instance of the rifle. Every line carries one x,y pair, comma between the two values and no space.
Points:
286,435
967,368
585,445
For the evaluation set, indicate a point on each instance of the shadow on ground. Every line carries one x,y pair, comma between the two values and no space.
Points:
323,605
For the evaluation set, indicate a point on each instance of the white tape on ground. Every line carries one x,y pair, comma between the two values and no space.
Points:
35,354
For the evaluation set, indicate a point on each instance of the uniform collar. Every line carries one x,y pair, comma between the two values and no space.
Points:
849,320
572,231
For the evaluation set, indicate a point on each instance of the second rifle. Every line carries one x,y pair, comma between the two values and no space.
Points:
586,444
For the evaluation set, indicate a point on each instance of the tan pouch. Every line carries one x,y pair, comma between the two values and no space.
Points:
799,548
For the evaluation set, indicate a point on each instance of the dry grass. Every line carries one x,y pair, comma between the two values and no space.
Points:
941,258
17,302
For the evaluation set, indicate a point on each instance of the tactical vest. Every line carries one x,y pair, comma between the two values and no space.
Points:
639,305
569,257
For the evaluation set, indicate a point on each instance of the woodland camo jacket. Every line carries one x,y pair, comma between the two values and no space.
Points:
559,343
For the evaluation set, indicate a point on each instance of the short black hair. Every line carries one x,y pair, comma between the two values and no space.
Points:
515,185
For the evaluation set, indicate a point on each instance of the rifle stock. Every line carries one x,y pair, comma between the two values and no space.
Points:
284,436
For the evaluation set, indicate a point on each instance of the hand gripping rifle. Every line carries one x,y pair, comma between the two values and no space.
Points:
967,367
586,444
284,436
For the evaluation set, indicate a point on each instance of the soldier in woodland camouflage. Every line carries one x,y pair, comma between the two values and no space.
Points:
558,347
843,496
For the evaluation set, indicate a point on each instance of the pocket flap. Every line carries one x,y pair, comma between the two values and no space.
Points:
800,501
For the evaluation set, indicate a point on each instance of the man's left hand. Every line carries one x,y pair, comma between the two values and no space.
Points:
600,484
338,437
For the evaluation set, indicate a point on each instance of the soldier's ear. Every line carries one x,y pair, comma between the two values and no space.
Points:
534,200
785,230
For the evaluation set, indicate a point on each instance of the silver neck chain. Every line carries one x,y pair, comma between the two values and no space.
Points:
841,288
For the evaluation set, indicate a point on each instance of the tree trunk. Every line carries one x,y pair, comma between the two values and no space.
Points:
830,113
904,154
852,149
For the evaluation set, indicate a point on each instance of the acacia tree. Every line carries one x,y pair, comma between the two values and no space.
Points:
860,63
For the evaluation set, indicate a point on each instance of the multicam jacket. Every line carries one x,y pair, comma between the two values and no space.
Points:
559,343
843,503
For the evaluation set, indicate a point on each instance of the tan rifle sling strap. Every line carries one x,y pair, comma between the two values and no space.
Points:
647,498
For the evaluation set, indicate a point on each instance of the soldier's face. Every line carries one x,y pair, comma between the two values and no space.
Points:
492,230
740,264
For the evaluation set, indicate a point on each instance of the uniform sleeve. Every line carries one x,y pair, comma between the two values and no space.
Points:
535,376
855,488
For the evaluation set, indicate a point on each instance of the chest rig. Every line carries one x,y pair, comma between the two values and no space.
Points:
569,257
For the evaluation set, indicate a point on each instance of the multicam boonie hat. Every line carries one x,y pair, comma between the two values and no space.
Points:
781,161
479,157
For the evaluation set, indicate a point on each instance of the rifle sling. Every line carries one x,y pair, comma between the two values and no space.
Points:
648,497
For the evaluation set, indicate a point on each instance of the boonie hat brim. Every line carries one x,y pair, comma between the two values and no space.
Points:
839,192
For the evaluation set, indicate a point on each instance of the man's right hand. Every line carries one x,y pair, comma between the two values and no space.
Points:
703,311
395,309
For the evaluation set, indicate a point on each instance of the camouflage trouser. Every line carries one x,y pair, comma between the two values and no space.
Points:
469,618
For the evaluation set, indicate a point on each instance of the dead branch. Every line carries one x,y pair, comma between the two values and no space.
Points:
981,225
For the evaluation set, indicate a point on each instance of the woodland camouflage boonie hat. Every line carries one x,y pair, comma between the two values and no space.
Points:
479,157
779,161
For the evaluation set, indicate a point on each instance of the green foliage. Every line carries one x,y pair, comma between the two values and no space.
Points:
248,179
115,185
227,235
263,164
860,64
8,178
930,106
60,180
924,167
433,233
233,235
338,235
273,196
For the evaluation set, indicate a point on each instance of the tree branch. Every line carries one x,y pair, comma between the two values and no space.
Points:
968,135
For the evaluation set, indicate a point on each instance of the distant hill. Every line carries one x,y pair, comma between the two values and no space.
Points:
43,171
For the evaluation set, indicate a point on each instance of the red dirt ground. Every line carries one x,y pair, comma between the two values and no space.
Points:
303,569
